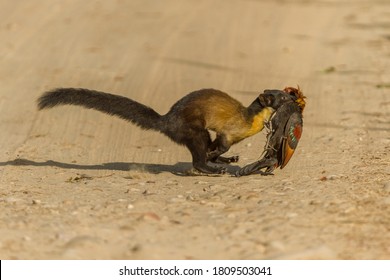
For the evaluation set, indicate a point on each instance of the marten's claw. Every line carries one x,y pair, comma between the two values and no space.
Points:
227,160
233,159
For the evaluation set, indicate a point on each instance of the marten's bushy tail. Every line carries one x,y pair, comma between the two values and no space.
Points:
111,104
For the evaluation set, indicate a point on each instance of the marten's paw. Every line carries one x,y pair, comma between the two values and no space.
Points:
227,160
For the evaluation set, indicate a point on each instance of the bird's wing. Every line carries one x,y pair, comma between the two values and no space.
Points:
292,134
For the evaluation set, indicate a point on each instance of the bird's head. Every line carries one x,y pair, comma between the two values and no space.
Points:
298,96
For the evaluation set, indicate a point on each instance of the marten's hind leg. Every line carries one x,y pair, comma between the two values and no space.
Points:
198,144
219,146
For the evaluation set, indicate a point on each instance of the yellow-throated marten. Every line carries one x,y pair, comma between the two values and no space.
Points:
189,119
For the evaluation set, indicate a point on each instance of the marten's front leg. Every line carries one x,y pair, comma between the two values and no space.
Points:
219,146
198,144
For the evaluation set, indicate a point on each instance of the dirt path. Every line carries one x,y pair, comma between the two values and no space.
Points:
79,184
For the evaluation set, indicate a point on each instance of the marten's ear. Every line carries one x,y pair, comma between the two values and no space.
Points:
267,98
264,100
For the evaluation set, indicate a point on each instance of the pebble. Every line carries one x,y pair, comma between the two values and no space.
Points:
239,231
317,253
216,204
231,216
130,206
291,215
11,200
26,238
386,201
332,177
201,183
252,195
277,246
386,187
261,248
191,197
151,216
350,210
36,201
329,177
179,198
67,202
80,239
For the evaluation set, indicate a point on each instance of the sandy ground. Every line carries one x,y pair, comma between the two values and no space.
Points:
77,184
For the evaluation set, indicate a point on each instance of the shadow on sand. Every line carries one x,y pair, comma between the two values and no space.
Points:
180,168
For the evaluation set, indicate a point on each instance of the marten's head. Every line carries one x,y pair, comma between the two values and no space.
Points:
275,98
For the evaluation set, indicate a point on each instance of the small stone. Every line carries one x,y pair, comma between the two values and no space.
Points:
350,210
332,177
231,216
318,253
201,183
386,201
36,201
386,187
255,196
277,246
177,199
151,216
261,248
291,215
239,231
130,206
216,204
81,241
26,238
11,200
67,202
191,197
